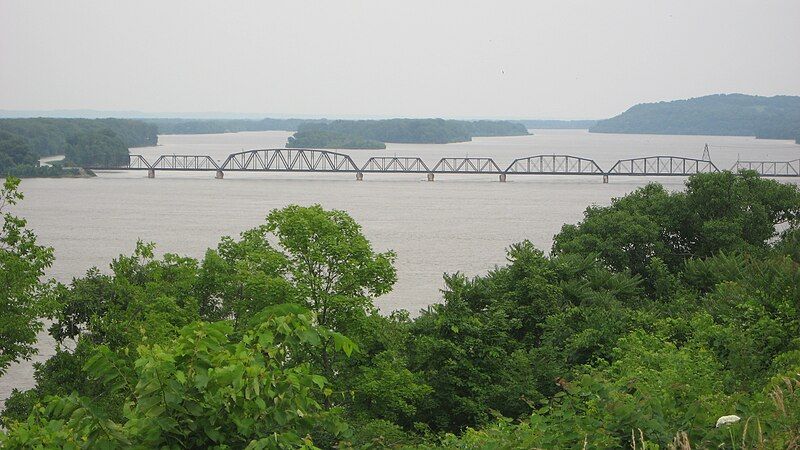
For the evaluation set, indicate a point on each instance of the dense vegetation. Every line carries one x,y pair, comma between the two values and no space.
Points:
729,115
214,126
82,141
421,131
98,147
559,124
650,319
49,136
17,159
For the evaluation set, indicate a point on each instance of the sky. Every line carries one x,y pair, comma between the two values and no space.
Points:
555,59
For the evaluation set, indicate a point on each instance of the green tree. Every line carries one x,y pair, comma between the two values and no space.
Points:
23,298
333,268
719,212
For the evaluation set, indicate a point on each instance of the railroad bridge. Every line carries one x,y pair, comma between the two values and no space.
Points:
325,161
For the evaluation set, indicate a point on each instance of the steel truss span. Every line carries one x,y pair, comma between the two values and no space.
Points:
770,168
662,166
554,165
289,160
185,162
395,164
466,165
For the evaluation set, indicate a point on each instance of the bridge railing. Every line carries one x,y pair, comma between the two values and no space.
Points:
290,160
554,165
661,166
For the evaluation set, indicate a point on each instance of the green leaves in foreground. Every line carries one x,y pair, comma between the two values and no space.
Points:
22,296
204,390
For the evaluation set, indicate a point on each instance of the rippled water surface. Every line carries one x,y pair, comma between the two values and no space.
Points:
456,223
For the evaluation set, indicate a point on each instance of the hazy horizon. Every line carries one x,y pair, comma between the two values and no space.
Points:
359,59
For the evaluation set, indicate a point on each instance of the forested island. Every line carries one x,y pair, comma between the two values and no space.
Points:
719,115
374,133
315,138
664,320
82,141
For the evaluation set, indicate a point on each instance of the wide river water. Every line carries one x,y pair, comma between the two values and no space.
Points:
456,223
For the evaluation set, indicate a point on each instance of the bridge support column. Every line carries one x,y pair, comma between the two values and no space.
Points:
220,175
502,178
430,177
605,178
359,176
151,173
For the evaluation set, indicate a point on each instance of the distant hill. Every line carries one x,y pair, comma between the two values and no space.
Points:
721,115
559,124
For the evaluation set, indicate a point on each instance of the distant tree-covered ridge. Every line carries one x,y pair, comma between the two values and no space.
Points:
412,131
216,126
729,115
559,124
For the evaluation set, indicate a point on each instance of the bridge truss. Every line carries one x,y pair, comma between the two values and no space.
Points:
662,166
554,165
466,165
770,168
185,162
395,165
135,162
289,160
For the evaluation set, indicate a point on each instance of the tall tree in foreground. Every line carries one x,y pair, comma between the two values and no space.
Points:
22,263
333,267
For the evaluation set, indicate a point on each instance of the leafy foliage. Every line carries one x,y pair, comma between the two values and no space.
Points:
23,298
202,390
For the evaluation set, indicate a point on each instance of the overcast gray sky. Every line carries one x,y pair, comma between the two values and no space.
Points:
373,58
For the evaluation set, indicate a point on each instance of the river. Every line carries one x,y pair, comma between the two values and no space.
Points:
456,223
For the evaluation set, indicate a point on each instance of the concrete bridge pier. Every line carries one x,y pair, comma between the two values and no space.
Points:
605,178
220,175
430,177
359,176
502,178
151,173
